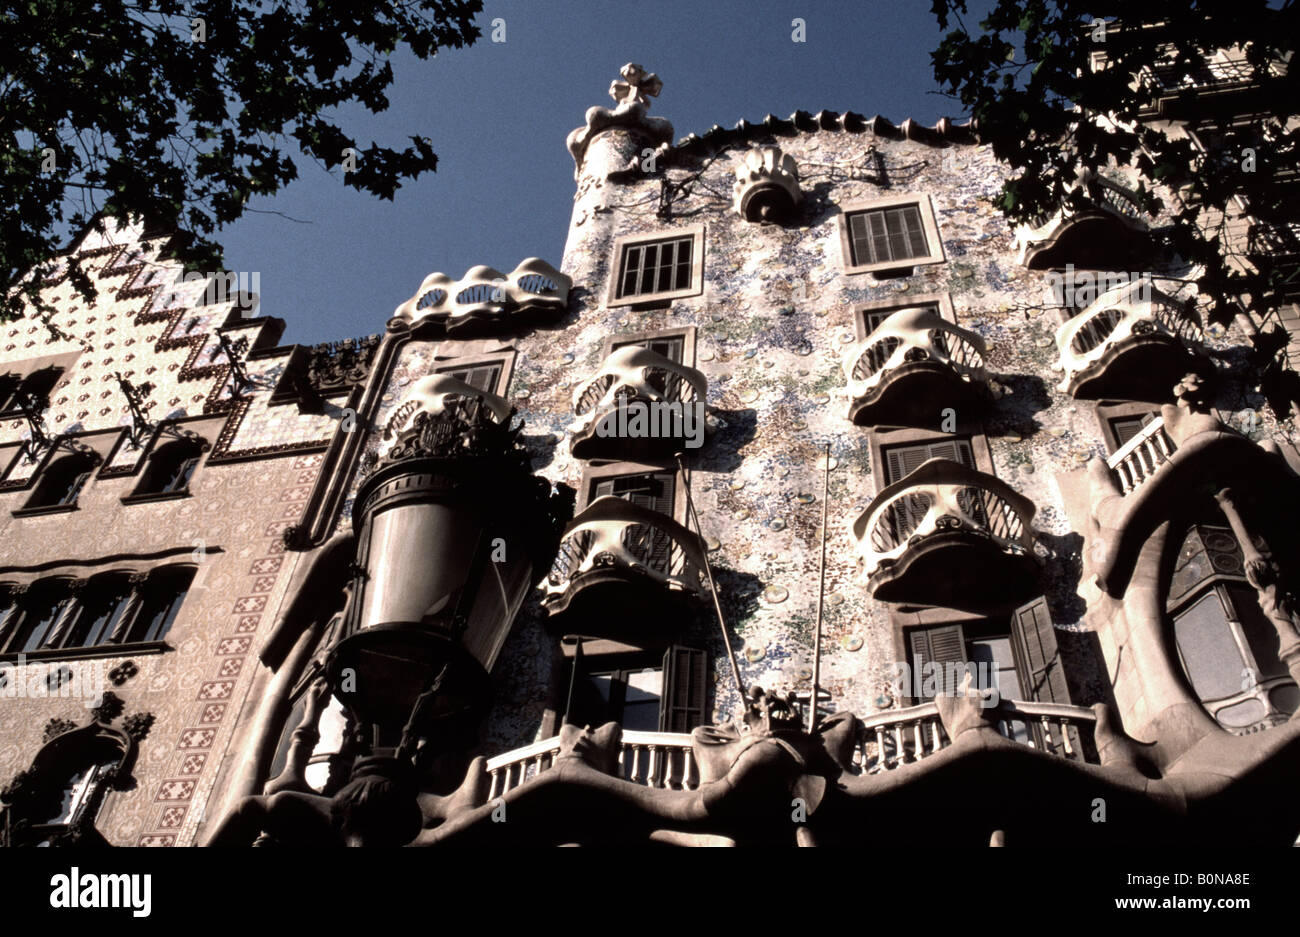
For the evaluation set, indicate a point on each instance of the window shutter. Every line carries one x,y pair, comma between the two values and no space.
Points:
943,645
1037,638
686,676
603,488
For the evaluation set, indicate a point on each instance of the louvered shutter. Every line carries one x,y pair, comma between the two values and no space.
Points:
686,676
942,646
1037,638
1129,427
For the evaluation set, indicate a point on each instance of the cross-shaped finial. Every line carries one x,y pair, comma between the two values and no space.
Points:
637,86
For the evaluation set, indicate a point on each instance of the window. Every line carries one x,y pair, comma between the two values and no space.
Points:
34,615
656,491
54,802
646,691
1226,644
485,377
1125,428
62,482
672,347
170,469
115,608
901,461
160,602
658,267
889,235
1015,653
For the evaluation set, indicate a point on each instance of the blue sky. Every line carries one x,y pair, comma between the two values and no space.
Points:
498,113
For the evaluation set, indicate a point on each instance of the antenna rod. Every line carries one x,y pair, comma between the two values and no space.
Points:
821,596
713,588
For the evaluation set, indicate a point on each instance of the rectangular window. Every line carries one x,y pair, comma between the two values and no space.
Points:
672,347
657,267
1125,428
887,235
901,461
642,691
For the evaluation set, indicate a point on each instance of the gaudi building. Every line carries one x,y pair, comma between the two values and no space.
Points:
571,554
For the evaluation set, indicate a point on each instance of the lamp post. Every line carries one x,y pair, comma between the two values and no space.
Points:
451,526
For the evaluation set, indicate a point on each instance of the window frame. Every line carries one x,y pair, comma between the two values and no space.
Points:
904,266
73,599
504,360
686,333
593,474
624,241
862,312
1108,411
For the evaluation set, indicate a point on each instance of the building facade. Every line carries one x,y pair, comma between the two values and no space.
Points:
997,523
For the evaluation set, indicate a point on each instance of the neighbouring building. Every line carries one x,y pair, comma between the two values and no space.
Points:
999,525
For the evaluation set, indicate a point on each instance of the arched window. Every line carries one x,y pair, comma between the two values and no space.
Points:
161,596
116,608
170,468
62,481
35,615
55,802
1225,642
102,607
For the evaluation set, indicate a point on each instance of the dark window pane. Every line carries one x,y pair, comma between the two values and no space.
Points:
1210,655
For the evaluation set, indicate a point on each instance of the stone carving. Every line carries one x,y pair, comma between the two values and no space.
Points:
441,415
485,299
767,185
337,366
632,100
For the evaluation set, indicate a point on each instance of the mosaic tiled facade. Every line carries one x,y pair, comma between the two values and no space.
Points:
774,294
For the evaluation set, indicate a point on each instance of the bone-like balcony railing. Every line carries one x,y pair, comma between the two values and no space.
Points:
486,295
1134,309
942,496
912,335
1109,196
635,373
1143,455
612,532
885,742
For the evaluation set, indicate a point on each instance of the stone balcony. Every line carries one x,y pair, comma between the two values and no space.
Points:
1142,456
884,742
1104,230
1133,343
950,536
639,406
624,572
913,358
